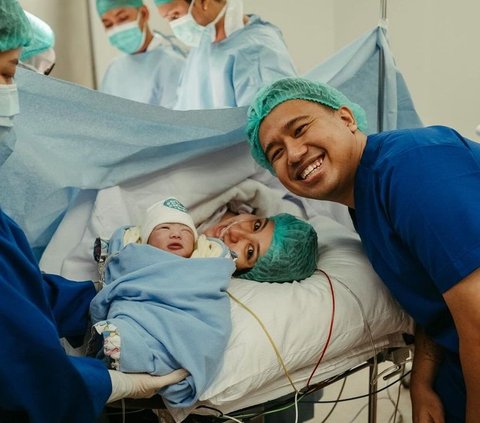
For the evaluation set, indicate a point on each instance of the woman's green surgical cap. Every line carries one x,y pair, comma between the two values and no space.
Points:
15,30
293,89
292,255
160,2
104,6
43,38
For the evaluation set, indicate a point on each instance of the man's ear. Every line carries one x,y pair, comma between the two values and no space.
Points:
145,14
348,118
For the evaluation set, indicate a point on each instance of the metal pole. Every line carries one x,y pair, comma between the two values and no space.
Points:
383,9
381,73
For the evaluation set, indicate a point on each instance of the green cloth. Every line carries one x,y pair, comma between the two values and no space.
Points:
43,38
15,28
104,6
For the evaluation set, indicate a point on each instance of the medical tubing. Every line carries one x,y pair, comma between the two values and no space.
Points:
367,325
330,329
272,342
296,407
338,397
272,411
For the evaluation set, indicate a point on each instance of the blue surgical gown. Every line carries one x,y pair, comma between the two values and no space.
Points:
229,73
38,381
150,77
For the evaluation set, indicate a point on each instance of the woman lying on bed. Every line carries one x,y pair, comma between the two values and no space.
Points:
160,311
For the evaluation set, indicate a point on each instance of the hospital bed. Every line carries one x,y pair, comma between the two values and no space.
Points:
86,163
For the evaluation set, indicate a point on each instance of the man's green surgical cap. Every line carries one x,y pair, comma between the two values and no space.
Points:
104,6
43,38
293,89
292,254
160,2
15,30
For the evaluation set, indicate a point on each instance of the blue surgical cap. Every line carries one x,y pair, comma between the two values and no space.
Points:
292,254
43,38
293,89
104,6
15,30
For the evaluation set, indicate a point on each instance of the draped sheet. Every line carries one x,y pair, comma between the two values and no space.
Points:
71,138
355,70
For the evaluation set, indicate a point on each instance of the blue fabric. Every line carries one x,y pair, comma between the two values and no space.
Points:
150,77
354,70
171,312
71,138
229,73
37,378
416,209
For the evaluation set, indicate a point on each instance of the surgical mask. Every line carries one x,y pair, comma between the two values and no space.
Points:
189,32
8,109
128,37
9,106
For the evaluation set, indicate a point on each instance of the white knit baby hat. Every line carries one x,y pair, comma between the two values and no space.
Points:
169,210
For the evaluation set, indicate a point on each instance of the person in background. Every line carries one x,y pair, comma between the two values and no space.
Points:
39,55
414,200
232,55
148,72
39,382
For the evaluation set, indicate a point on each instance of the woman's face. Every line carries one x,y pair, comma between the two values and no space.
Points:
247,235
8,65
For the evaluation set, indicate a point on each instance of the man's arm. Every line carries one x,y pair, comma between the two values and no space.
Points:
426,405
463,300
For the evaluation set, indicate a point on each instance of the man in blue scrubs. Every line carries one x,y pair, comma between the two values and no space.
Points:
149,69
38,381
232,55
414,198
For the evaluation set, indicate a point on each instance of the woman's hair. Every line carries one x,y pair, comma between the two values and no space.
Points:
292,254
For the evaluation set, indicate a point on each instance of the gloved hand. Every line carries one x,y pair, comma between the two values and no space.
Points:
141,385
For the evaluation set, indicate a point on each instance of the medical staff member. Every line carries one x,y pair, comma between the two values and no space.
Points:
232,55
39,55
38,381
148,72
414,198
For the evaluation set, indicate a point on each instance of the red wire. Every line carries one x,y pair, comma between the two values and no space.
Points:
330,330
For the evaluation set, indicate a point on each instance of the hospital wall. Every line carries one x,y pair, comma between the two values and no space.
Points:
435,43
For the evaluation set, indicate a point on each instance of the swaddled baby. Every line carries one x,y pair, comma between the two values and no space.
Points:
168,226
157,306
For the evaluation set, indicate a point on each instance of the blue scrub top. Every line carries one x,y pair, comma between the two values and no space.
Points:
150,77
38,380
229,73
417,208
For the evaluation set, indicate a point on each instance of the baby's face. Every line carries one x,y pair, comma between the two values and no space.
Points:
175,238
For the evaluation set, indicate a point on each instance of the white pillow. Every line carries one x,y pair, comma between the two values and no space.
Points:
297,316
